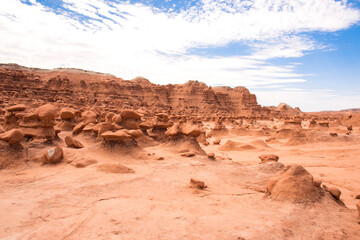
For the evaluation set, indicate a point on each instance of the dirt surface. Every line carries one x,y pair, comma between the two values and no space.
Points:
79,169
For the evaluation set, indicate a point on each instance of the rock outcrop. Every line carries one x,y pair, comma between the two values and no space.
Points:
294,184
83,87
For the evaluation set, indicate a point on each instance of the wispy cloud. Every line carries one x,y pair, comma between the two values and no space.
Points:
130,39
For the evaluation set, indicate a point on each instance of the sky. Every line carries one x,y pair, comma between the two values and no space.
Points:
302,52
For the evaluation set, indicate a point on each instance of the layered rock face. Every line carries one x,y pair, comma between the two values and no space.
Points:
81,87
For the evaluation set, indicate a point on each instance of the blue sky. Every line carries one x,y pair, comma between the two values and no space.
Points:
302,52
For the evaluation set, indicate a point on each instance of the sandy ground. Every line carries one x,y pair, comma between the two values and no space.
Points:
65,202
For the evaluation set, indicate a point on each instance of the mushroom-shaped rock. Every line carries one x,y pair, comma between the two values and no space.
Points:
173,131
190,130
109,117
117,119
89,117
268,158
294,184
13,136
104,127
135,133
129,114
145,125
18,107
71,142
89,127
194,183
53,155
67,113
46,114
119,135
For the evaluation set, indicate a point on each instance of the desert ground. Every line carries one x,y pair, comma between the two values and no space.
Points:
81,162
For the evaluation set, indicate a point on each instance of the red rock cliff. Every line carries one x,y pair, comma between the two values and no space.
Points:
81,87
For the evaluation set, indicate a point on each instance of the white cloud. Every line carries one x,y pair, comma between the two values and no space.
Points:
134,39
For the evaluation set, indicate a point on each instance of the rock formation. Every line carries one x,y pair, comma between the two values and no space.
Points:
84,87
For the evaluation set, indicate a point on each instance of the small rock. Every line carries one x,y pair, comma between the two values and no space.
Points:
79,127
317,183
197,184
160,158
187,154
333,134
67,113
357,196
358,208
71,142
211,155
270,139
268,158
53,155
216,142
335,192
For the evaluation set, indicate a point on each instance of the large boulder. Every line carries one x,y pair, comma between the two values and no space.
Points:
46,114
13,136
294,184
119,135
130,114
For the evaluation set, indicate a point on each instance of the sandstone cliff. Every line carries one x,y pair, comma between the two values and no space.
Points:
84,88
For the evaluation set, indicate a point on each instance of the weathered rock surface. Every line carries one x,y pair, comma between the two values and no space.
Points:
13,136
71,142
53,155
84,87
268,158
294,184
